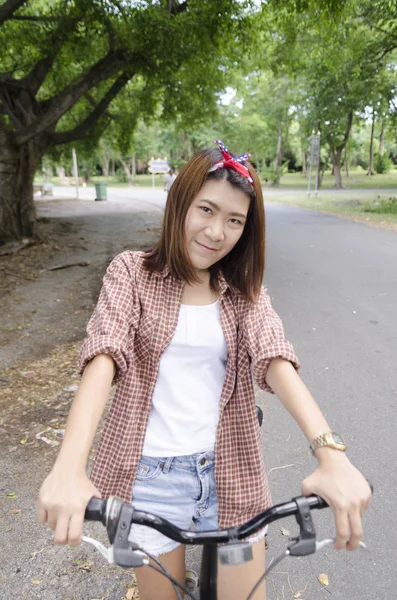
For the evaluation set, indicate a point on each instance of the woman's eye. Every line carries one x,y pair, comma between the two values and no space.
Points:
206,209
236,222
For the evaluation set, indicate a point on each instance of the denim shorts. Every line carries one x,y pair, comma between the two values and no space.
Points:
180,489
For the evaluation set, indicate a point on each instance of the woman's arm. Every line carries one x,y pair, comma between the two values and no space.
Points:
67,490
85,414
335,479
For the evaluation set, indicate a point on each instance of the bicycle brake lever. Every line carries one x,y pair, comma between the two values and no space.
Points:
326,542
132,559
305,543
107,553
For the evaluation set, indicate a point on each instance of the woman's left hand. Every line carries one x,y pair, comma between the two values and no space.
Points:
346,491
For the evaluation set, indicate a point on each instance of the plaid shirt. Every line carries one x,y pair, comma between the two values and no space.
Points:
133,322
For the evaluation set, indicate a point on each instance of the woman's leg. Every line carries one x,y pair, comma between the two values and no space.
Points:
237,581
153,586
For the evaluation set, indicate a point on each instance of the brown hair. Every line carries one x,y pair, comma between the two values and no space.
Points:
243,267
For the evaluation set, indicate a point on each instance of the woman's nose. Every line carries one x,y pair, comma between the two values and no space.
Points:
215,231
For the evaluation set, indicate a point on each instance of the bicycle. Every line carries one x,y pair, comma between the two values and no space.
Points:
118,516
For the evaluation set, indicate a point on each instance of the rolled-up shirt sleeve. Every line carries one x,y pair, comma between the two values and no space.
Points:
265,340
112,327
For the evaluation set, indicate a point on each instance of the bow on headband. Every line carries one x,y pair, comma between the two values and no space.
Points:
231,162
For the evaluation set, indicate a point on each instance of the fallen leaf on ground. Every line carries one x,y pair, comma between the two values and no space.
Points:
285,532
297,595
51,435
323,579
28,374
11,495
132,594
83,565
36,581
16,511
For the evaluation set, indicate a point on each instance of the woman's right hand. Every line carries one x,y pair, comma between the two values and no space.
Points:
63,498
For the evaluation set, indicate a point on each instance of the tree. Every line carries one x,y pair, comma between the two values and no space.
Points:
65,63
334,57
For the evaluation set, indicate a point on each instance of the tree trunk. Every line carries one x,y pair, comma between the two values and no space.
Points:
133,166
382,140
127,171
321,173
279,155
346,164
105,166
371,147
304,164
335,158
17,168
336,152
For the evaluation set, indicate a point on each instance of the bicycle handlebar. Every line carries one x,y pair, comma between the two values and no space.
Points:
109,512
118,516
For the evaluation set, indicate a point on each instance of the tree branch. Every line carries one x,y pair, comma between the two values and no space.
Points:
58,105
33,80
106,113
386,50
8,103
34,18
175,8
8,9
348,127
64,137
58,37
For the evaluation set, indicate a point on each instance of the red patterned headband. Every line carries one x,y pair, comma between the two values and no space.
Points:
231,162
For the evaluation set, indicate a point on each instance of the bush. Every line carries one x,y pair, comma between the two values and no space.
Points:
120,176
361,162
383,206
272,174
382,163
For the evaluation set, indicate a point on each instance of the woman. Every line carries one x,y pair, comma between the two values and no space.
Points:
183,330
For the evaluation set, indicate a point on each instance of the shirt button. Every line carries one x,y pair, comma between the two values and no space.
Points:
203,461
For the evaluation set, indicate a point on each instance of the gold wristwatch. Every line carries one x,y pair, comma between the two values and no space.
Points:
330,439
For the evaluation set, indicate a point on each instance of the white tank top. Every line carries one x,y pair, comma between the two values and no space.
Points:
185,403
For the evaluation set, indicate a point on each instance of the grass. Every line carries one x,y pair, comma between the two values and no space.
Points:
384,206
357,180
376,208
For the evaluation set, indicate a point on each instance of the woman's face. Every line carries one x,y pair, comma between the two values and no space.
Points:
215,222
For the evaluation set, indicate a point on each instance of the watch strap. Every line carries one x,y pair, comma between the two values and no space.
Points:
329,439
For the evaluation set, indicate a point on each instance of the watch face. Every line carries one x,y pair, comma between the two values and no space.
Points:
338,439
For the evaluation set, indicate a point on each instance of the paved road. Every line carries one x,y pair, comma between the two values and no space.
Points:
115,196
334,283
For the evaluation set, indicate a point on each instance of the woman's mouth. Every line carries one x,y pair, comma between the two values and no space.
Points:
206,247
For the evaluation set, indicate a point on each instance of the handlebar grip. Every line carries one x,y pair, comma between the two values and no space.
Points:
96,510
317,502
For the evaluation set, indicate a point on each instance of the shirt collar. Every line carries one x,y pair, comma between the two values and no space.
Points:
223,284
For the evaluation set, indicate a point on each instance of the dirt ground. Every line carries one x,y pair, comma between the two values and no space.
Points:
44,311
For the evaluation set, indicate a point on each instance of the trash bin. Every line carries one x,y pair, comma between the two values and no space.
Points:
100,191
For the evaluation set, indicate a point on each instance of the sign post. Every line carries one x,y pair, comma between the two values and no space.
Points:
158,165
314,161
